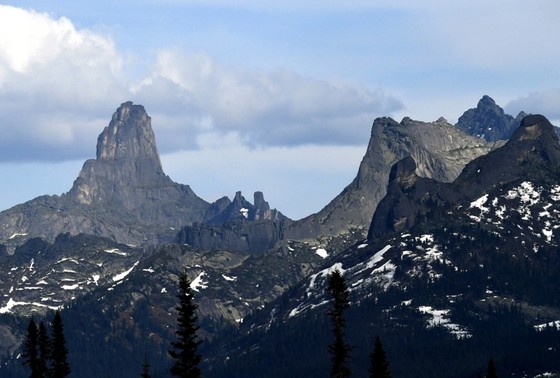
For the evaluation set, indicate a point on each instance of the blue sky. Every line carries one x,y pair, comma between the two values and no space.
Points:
257,95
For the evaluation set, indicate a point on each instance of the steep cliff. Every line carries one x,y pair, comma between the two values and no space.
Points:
123,194
531,155
439,149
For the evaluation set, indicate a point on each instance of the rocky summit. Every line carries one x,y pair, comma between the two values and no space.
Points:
439,149
123,194
489,121
532,153
236,226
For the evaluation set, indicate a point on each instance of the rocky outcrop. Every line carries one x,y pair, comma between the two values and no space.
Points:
225,210
532,154
238,226
255,237
489,121
127,175
439,149
123,194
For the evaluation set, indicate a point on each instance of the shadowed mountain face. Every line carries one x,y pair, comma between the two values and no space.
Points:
489,121
123,194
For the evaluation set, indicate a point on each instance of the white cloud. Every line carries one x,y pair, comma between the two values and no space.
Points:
544,102
271,108
54,83
59,86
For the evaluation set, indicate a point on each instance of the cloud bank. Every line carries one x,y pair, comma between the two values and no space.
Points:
59,86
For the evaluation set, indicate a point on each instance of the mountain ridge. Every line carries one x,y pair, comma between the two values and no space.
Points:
442,150
275,271
532,149
122,194
473,274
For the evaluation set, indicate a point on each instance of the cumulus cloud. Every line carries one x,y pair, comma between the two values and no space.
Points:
59,86
54,82
266,108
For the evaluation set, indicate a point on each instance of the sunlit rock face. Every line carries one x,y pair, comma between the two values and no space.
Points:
127,162
439,149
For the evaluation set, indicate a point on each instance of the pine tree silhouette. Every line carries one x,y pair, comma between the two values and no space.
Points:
491,372
59,353
29,354
145,368
44,344
379,363
184,350
339,349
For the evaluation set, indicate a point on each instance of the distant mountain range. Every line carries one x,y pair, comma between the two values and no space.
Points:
441,234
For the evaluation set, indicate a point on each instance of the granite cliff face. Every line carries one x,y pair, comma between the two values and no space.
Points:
127,176
123,194
439,149
126,158
532,154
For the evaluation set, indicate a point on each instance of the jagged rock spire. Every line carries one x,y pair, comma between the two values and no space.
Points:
489,121
128,136
127,157
122,194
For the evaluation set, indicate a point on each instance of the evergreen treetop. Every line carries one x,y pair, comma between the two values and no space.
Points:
60,367
184,349
339,349
379,363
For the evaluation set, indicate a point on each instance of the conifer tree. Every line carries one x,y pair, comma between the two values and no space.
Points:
338,349
44,351
184,350
30,355
379,363
59,352
491,372
145,368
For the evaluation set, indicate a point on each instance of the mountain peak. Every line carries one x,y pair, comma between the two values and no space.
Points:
126,157
532,154
488,121
128,136
486,101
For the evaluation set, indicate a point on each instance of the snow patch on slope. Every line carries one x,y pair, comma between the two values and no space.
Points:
121,276
198,283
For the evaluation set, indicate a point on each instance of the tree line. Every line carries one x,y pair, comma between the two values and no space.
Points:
46,355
